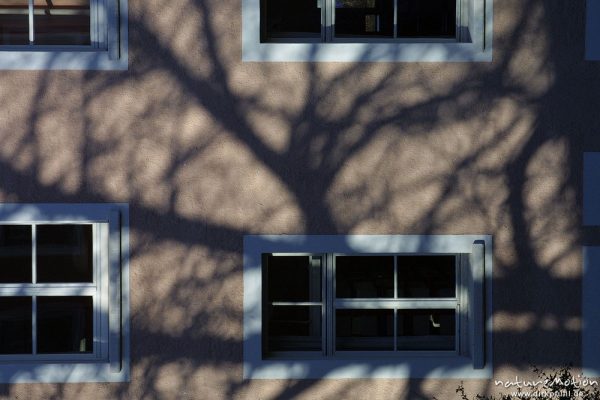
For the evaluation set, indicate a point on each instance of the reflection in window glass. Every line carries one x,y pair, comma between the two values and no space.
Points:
15,325
427,18
364,276
64,253
294,278
364,18
294,328
62,22
64,324
292,18
426,329
426,276
14,22
364,330
15,254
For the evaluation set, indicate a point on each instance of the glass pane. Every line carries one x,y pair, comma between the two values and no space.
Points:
62,22
64,253
427,18
364,330
364,276
15,325
14,22
292,18
426,329
64,324
15,254
364,18
294,278
294,328
426,276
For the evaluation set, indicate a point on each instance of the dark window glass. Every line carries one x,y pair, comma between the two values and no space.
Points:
294,278
15,325
291,18
426,329
294,328
62,22
64,253
426,276
14,22
64,324
15,254
364,18
427,18
364,276
364,329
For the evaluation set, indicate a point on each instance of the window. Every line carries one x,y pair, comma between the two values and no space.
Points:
367,30
63,34
63,297
367,306
359,19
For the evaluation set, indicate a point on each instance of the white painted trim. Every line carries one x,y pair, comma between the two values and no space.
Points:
592,30
459,366
55,369
591,188
590,312
480,49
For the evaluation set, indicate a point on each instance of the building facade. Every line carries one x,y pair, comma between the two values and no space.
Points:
239,200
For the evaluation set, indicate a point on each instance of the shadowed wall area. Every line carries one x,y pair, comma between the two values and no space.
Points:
206,149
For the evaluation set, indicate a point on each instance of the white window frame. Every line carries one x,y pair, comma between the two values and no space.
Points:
108,49
472,359
474,30
592,30
109,359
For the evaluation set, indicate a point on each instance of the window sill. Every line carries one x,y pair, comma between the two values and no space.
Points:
113,56
67,60
400,368
365,52
62,373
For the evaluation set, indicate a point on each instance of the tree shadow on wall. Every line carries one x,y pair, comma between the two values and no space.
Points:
206,149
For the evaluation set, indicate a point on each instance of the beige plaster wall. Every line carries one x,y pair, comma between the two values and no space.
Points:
206,148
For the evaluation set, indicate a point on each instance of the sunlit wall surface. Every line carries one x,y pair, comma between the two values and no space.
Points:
206,148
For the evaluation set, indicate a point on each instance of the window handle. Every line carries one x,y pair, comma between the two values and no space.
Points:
433,323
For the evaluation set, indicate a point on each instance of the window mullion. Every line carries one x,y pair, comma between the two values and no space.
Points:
329,304
395,258
31,26
329,19
33,254
395,21
34,325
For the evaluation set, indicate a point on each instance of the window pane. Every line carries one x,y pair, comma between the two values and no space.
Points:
364,18
15,254
426,329
294,278
64,253
364,329
427,18
64,324
15,325
364,276
292,18
62,22
294,328
426,276
14,22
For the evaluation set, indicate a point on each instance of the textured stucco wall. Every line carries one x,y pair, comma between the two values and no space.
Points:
206,148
